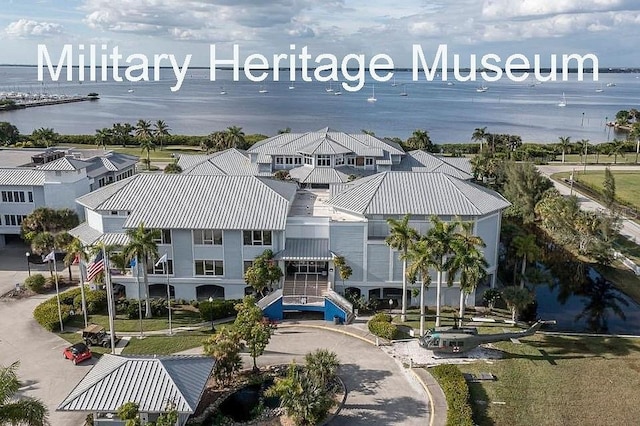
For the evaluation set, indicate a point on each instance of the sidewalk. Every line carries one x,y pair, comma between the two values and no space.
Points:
437,399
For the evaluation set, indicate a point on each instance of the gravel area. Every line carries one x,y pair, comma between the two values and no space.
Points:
411,350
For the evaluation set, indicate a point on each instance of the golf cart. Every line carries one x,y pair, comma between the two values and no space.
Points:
96,335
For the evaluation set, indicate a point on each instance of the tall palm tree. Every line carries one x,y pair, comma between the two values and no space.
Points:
147,145
122,133
526,248
565,144
440,236
421,258
14,411
235,137
218,141
143,129
479,135
160,132
76,250
420,140
142,246
103,137
601,148
468,261
401,237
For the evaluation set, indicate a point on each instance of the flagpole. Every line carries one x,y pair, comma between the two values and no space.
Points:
139,295
55,277
107,281
166,268
83,274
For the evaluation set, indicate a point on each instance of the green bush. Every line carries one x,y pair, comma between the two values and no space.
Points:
217,309
456,390
47,314
384,329
35,283
381,317
51,281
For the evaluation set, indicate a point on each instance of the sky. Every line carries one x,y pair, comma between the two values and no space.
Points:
607,28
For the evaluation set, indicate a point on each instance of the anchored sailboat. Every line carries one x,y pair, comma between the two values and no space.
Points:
563,101
373,95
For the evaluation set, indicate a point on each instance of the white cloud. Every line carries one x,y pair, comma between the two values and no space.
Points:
25,28
501,9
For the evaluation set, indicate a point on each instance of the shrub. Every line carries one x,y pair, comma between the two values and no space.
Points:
47,314
384,329
35,283
96,300
217,309
457,392
194,303
51,281
380,316
132,309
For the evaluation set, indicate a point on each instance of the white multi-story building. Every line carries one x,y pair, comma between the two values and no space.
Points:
221,213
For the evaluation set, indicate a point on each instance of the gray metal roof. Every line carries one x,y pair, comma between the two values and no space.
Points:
462,163
19,177
305,249
151,382
114,239
228,162
399,193
197,202
86,234
294,143
421,161
109,162
340,174
64,164
186,161
324,145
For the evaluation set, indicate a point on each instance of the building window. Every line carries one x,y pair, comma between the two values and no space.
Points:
256,238
30,196
13,219
288,160
279,160
114,212
297,160
165,237
207,237
308,160
100,182
323,160
16,197
159,270
209,267
339,160
351,161
246,265
368,161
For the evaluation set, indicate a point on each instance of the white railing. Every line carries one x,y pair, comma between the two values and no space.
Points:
269,299
340,301
303,300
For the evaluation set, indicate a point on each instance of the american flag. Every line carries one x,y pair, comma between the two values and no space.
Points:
95,267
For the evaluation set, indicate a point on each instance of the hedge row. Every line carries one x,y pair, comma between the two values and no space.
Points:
381,326
217,309
47,312
456,391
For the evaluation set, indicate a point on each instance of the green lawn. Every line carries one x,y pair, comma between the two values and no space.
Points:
166,345
179,318
554,380
627,183
629,158
157,155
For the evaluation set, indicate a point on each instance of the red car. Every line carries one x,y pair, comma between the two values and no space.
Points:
77,353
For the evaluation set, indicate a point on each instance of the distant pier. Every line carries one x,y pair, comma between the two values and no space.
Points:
22,103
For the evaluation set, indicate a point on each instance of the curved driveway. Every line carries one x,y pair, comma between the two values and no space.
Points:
379,391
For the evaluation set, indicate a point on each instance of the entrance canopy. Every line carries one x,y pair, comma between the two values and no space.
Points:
305,249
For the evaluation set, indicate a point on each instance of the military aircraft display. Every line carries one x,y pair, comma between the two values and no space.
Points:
457,340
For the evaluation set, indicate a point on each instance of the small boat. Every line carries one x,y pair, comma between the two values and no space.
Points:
373,95
450,83
337,92
599,89
482,89
611,85
130,91
394,84
563,101
292,87
222,91
263,90
329,89
404,91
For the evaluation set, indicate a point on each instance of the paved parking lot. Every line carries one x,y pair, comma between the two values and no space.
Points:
43,370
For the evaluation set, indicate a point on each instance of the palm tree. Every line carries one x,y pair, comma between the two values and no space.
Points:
526,248
103,137
142,246
565,144
468,261
235,137
516,299
218,141
421,258
440,236
13,411
147,145
76,250
401,237
161,131
122,133
635,135
420,140
616,148
479,135
601,148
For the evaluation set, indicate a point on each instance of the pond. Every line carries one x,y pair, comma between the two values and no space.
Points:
245,404
581,300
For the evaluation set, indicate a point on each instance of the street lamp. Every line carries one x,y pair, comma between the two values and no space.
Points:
211,307
27,254
390,305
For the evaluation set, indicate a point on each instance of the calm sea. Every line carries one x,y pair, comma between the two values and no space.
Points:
449,112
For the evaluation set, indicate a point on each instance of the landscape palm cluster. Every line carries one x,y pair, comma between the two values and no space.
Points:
449,248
